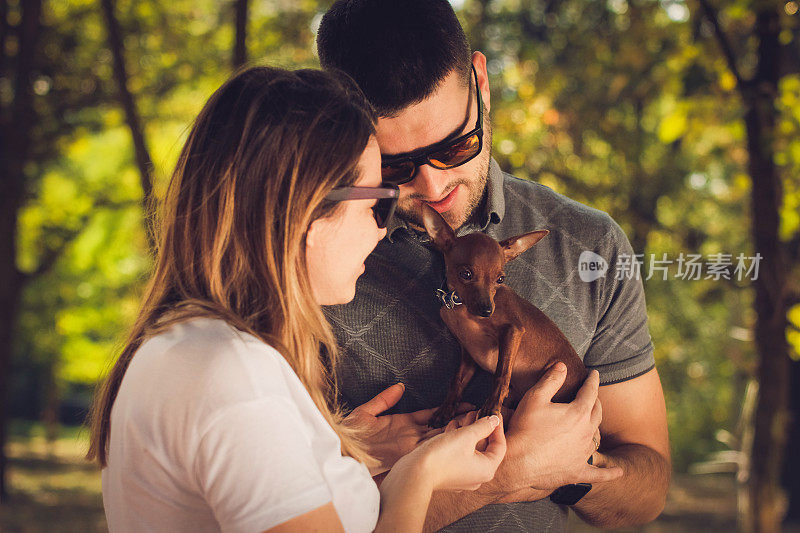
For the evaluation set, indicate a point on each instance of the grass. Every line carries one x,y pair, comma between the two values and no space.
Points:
52,488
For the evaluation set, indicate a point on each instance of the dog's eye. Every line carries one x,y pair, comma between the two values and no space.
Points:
501,279
465,274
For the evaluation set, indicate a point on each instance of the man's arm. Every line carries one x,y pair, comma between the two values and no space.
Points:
634,437
447,507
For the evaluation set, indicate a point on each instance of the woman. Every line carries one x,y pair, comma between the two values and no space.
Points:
219,413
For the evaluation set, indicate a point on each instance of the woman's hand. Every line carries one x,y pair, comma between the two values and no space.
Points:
390,437
461,458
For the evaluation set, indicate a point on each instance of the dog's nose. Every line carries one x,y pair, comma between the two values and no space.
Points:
485,311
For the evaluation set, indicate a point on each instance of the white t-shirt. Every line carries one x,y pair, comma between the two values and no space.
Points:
212,430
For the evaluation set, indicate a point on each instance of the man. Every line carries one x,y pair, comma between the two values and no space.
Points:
412,61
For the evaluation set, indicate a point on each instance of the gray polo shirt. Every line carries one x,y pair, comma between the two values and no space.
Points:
392,332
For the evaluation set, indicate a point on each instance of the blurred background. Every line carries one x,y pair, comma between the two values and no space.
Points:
680,118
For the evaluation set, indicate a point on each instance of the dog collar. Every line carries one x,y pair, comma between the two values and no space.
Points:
449,299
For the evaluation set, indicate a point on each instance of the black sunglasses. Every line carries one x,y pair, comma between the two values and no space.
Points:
386,195
443,155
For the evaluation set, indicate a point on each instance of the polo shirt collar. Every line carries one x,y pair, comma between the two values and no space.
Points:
493,209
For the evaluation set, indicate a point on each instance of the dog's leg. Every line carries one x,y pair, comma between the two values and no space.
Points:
447,411
509,346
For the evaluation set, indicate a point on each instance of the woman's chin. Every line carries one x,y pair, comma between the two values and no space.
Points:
338,299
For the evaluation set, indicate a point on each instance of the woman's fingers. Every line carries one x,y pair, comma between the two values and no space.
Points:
488,427
460,465
482,428
491,450
496,449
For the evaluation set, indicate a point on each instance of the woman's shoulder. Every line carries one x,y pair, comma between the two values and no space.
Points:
210,360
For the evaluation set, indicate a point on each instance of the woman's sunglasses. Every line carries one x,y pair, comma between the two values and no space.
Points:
402,168
387,195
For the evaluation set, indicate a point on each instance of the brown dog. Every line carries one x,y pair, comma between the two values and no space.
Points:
498,330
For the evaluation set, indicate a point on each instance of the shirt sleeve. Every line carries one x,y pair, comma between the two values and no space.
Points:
621,348
256,468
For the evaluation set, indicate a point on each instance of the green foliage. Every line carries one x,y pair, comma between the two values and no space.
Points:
626,106
85,191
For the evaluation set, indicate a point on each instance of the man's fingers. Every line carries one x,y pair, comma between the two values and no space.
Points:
549,383
384,400
587,394
432,433
423,416
597,413
466,419
595,474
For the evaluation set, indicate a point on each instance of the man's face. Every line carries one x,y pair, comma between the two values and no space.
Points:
455,192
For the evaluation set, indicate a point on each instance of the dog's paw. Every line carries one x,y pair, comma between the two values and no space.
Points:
488,410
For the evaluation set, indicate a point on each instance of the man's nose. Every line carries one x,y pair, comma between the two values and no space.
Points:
430,182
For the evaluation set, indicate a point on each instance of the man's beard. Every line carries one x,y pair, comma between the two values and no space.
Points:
476,189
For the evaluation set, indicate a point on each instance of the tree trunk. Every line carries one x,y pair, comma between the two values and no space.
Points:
772,413
14,150
240,45
791,479
141,154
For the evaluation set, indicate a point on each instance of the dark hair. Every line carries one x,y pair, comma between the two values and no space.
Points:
266,149
398,51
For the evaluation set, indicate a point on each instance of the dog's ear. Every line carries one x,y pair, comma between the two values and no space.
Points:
514,246
438,229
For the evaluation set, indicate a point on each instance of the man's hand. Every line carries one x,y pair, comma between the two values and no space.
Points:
549,443
389,437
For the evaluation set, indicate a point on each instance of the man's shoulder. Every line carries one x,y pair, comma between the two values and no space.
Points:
531,205
523,193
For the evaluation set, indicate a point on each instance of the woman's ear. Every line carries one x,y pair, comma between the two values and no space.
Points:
312,235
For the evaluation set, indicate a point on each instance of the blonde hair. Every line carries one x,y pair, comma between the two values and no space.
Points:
261,157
